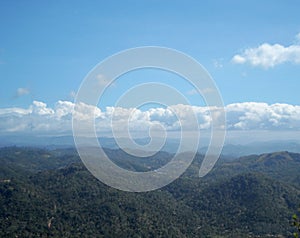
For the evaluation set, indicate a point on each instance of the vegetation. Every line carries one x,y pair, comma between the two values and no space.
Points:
51,194
296,224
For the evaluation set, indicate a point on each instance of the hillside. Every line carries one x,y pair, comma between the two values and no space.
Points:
283,166
51,194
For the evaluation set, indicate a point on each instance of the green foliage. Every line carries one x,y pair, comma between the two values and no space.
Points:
296,224
51,194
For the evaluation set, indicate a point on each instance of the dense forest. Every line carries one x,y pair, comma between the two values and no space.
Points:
49,193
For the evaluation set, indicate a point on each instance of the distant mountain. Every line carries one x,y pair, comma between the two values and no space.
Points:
47,193
238,150
171,145
56,142
283,166
37,141
35,159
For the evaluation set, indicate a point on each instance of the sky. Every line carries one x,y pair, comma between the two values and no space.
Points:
250,48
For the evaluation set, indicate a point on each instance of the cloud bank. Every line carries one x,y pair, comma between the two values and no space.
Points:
38,118
269,55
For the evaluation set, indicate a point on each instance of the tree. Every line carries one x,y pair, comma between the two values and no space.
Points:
296,224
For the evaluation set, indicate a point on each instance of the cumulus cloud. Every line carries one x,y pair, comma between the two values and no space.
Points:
253,115
269,55
40,118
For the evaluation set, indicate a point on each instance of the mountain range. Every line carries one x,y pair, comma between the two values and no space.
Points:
231,150
49,193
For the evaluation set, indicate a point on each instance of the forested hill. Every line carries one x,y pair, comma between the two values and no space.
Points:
49,193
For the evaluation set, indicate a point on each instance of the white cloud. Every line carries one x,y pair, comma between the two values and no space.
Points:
22,91
261,116
269,55
40,108
39,118
239,59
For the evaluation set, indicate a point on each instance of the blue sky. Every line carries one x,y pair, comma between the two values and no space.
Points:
48,47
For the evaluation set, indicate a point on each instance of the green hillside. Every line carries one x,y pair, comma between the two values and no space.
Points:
51,194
